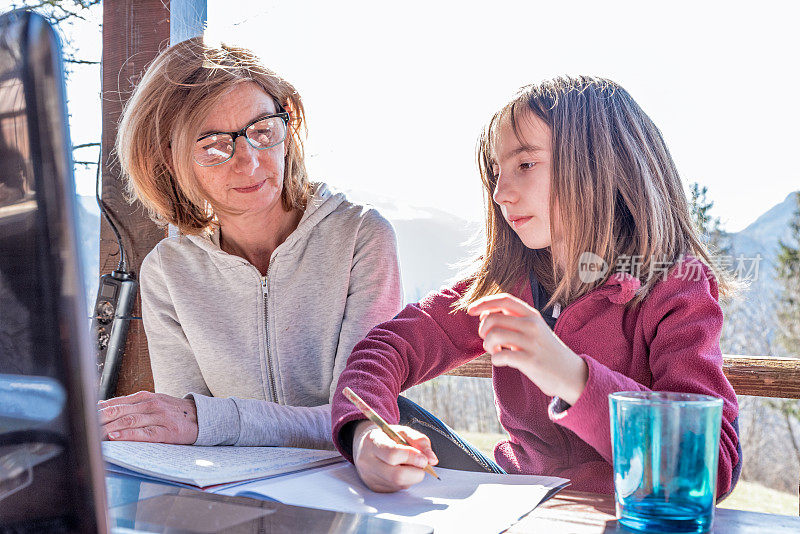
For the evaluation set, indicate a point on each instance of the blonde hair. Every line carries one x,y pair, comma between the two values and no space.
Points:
616,186
162,120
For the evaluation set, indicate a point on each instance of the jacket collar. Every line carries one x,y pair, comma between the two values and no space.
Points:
620,287
322,201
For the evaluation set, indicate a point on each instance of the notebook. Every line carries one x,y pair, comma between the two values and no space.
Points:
210,466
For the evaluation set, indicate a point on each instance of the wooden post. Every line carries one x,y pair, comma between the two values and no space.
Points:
134,31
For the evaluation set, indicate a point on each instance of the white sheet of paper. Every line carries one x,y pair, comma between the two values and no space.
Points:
460,502
206,466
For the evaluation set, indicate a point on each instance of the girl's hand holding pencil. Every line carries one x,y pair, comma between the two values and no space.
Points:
384,464
516,335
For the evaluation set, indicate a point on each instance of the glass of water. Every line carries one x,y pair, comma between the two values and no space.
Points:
666,449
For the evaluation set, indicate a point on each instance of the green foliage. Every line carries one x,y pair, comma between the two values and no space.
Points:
712,235
788,311
788,274
61,13
57,11
754,497
710,228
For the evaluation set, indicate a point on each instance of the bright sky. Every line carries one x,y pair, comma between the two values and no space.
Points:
397,94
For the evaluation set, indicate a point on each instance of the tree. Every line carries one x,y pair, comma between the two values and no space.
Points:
744,331
788,315
714,237
788,274
61,14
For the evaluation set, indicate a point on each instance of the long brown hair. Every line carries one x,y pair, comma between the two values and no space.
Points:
616,186
163,117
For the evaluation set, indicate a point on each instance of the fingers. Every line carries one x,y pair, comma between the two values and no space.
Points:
139,396
508,322
508,358
420,442
402,456
146,416
499,339
152,434
130,421
394,468
502,303
510,332
393,453
395,478
111,412
387,466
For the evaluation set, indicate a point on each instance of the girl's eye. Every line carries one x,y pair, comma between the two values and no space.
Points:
527,165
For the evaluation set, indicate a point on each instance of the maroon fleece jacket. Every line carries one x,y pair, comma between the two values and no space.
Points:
669,342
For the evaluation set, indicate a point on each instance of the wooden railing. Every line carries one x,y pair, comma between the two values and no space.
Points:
760,376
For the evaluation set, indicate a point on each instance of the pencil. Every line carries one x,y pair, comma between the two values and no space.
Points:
383,425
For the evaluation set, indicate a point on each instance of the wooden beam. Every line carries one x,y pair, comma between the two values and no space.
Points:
134,31
480,367
759,376
763,376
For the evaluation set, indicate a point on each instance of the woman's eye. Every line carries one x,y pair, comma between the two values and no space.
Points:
525,166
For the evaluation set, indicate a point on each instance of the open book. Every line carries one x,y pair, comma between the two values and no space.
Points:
209,466
460,502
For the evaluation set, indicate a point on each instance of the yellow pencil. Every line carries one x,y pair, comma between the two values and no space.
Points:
378,420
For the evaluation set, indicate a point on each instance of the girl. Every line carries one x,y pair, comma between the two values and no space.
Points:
593,281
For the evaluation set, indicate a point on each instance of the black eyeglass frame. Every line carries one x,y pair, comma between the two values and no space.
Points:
235,135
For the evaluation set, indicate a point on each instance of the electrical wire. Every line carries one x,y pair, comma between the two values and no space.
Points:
123,264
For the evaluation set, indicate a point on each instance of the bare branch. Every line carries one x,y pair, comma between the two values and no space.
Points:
84,145
80,61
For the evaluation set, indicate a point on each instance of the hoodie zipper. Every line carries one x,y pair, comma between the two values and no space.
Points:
559,319
270,376
561,431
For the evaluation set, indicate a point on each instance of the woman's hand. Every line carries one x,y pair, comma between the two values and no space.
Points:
516,335
386,466
146,416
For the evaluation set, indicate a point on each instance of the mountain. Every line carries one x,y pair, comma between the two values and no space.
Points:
431,242
434,245
762,237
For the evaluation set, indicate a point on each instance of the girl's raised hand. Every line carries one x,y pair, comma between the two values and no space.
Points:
386,466
516,335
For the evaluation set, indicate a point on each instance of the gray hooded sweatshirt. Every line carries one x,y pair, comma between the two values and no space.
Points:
261,356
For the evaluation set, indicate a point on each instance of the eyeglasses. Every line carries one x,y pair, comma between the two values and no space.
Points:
263,133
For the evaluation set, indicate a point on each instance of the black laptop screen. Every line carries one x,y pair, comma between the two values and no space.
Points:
19,295
48,471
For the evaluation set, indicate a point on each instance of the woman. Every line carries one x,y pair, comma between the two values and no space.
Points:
251,312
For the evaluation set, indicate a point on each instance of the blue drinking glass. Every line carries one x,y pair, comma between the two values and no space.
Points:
666,449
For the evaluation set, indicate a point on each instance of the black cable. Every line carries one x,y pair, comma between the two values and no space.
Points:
123,317
123,264
32,436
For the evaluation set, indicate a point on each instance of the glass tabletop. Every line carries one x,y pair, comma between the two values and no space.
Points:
138,505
